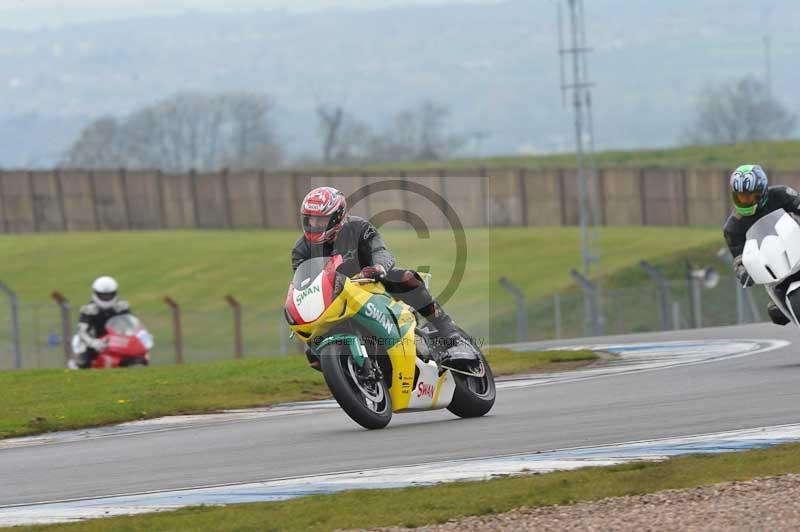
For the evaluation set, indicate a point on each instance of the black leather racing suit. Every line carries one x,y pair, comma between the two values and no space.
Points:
360,245
92,325
735,229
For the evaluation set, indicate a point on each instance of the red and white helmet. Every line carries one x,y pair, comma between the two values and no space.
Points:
322,214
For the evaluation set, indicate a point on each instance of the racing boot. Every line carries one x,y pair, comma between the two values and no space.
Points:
313,359
447,333
84,359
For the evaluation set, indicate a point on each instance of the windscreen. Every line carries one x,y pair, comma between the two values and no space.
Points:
765,226
124,325
308,271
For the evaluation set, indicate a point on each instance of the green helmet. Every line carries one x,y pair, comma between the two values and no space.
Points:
749,188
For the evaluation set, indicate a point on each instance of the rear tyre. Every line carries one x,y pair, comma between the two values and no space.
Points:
474,396
794,306
367,402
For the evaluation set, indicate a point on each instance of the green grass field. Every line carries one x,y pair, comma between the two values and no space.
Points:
784,155
198,268
412,507
44,400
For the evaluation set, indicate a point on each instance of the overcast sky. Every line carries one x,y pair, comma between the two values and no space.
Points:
28,14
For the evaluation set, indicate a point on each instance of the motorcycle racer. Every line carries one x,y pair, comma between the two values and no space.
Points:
103,306
753,198
328,230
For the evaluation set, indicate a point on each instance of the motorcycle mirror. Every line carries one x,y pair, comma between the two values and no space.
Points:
711,277
708,276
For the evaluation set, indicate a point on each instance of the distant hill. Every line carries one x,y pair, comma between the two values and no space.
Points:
495,65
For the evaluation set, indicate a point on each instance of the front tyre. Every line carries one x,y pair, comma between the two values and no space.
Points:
366,401
474,395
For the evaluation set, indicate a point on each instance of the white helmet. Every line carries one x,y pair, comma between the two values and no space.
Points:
104,291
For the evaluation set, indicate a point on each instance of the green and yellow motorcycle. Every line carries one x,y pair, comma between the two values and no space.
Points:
375,357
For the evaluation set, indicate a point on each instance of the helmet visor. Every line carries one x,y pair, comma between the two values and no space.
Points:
105,296
745,200
315,224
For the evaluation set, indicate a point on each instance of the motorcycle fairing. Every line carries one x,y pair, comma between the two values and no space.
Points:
308,300
392,324
772,254
431,390
772,250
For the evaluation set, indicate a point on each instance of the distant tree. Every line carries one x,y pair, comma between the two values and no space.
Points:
413,134
418,133
742,111
97,146
189,130
344,139
331,118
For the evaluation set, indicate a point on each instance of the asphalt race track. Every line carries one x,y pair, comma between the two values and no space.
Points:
734,393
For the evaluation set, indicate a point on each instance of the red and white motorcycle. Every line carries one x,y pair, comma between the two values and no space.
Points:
128,344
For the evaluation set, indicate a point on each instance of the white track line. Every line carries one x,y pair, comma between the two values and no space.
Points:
393,477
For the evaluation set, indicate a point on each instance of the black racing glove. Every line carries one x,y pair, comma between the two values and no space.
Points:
376,272
741,272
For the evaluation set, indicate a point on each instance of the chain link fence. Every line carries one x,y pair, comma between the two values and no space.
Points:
627,310
209,334
206,334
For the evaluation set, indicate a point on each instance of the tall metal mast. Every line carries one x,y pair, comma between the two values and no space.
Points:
588,209
765,15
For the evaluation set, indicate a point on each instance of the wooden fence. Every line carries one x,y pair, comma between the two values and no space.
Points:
120,200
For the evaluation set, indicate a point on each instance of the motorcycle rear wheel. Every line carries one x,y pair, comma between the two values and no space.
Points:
474,396
367,403
794,303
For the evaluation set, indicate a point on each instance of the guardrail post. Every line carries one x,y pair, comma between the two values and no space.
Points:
557,314
594,322
522,309
237,325
676,315
746,310
697,279
15,336
176,327
66,323
663,292
695,303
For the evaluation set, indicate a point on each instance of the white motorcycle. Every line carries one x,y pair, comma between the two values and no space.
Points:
772,258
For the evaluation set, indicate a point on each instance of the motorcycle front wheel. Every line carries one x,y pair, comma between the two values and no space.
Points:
366,401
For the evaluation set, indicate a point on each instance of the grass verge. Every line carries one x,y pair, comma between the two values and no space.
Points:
419,506
46,400
508,362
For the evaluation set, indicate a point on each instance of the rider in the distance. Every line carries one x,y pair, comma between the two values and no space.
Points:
328,230
753,199
103,306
